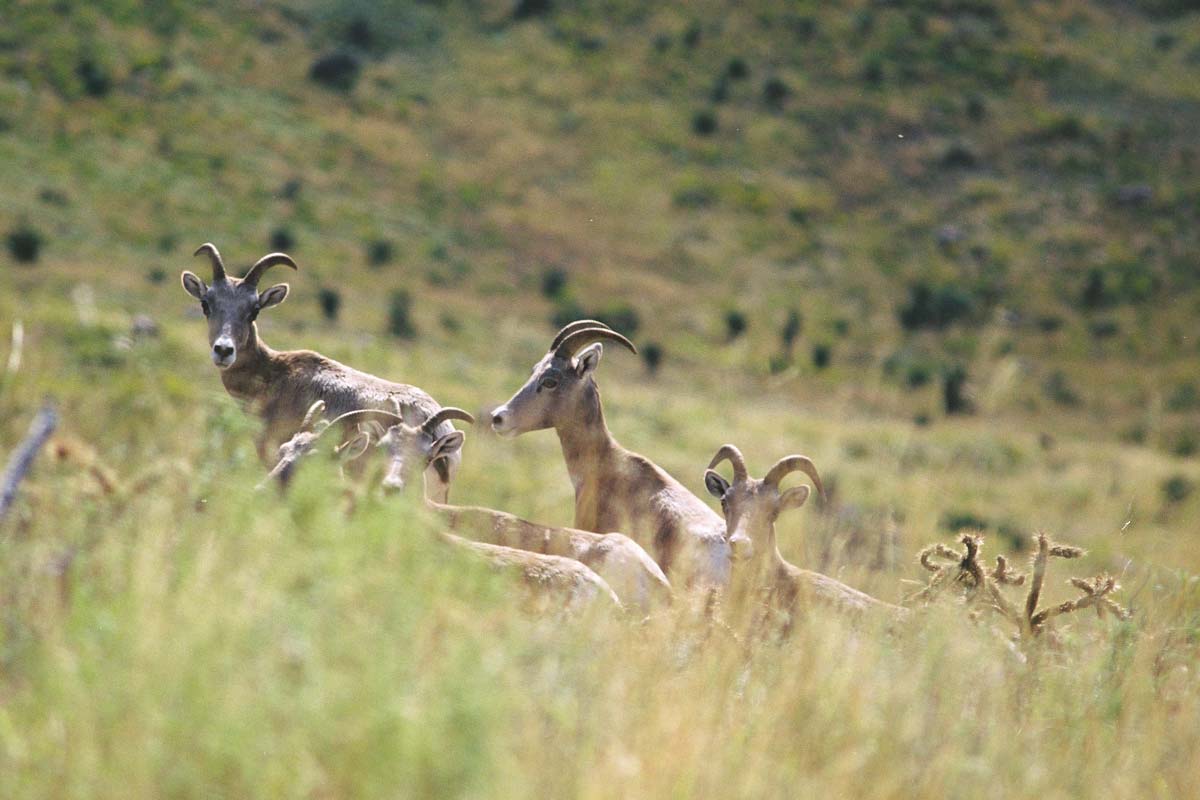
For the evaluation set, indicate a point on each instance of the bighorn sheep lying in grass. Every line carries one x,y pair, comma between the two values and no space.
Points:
620,561
615,489
553,580
304,442
281,386
751,507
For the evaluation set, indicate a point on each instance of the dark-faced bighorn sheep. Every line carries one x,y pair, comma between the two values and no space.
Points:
620,561
281,386
615,489
751,507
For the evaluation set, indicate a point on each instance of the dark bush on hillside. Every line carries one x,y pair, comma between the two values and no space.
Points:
156,275
695,195
379,252
290,189
720,91
736,69
735,324
822,355
954,391
872,71
358,33
1095,292
567,310
94,77
652,356
704,123
528,9
662,42
956,520
935,306
775,93
282,239
959,156
1049,323
1059,390
1184,397
841,326
330,301
338,70
24,244
620,317
1186,444
554,281
400,322
790,332
976,108
691,37
1104,328
1177,488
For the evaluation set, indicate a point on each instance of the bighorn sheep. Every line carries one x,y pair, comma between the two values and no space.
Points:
751,507
615,489
280,386
620,561
304,442
553,580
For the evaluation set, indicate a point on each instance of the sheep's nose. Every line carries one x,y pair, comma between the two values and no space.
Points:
742,548
223,351
498,418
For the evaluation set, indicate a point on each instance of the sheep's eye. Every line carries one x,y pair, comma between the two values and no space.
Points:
548,383
254,313
204,307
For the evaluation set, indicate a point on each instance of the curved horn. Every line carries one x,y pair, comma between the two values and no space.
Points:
577,339
790,464
364,411
571,327
264,264
218,266
734,455
444,415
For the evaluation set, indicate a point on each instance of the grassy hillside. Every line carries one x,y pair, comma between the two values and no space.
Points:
947,249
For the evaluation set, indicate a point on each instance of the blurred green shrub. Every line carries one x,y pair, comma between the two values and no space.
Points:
24,244
735,324
399,319
338,70
554,282
281,239
652,356
935,306
380,252
704,123
330,301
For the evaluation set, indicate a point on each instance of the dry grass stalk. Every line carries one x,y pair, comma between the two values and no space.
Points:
984,588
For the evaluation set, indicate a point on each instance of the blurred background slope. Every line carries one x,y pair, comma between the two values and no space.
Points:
955,239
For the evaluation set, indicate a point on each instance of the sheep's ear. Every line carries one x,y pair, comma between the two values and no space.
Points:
588,359
193,285
447,445
717,486
794,497
273,296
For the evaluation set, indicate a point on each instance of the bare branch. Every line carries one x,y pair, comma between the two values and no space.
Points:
22,459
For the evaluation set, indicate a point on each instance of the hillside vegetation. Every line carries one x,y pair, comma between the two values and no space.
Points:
947,249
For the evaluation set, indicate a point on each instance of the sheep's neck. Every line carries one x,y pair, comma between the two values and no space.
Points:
587,444
249,376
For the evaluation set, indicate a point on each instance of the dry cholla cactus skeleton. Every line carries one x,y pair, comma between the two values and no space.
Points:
984,586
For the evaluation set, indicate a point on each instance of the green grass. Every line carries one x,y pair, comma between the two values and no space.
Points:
184,636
